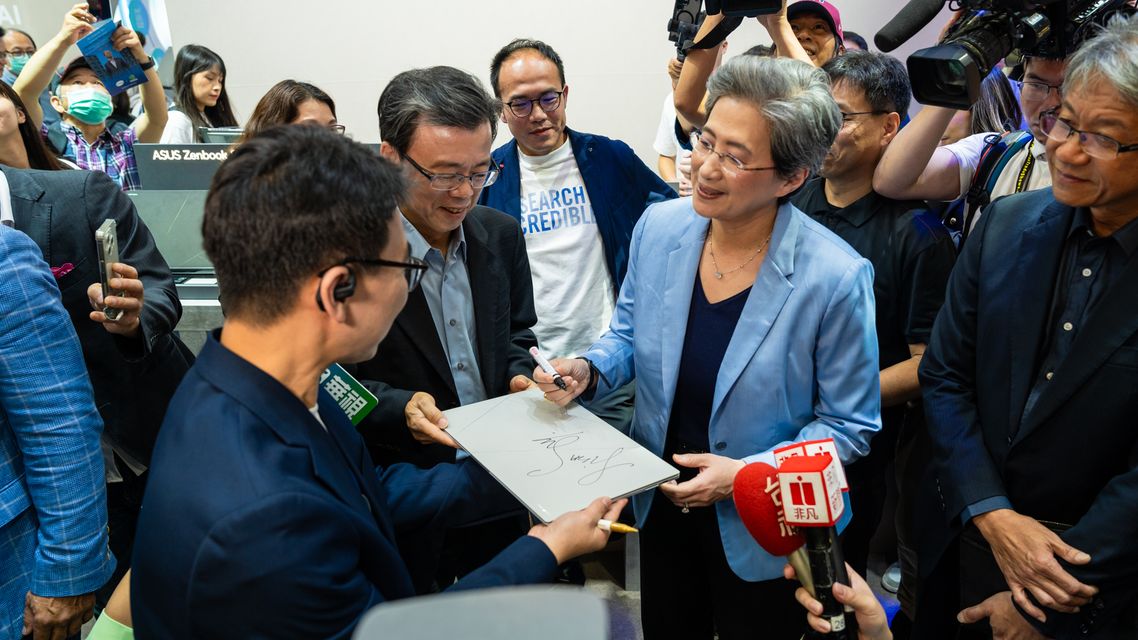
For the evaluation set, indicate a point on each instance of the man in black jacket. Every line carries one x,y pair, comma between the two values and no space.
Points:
1029,385
465,333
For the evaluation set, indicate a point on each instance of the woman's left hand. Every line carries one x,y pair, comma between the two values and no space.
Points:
716,480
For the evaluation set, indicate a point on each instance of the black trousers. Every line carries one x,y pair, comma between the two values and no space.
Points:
689,592
124,500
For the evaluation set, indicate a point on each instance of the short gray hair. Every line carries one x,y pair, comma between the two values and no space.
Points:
1111,56
795,101
442,96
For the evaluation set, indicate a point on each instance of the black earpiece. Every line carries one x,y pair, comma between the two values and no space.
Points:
341,291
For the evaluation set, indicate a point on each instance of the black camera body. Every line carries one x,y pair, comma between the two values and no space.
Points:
688,15
949,74
742,8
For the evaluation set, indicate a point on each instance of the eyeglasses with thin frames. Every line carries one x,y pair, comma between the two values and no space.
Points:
849,117
1094,145
452,181
702,147
548,101
1035,91
413,268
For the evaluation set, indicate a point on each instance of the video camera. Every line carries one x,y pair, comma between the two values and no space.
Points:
687,17
949,74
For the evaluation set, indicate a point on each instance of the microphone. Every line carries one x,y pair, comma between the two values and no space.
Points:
759,503
909,20
812,500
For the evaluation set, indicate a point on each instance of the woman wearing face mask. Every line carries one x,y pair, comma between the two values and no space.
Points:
200,99
21,146
84,102
292,102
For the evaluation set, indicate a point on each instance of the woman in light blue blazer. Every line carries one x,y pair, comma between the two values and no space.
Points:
746,326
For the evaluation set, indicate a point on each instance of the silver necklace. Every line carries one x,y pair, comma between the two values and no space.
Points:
711,249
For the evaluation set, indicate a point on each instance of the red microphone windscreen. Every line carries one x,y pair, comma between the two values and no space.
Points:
756,490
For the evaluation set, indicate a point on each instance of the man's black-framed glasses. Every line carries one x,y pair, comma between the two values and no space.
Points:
1094,145
522,107
849,117
413,268
452,181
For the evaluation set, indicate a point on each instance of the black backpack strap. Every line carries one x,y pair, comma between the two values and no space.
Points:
998,150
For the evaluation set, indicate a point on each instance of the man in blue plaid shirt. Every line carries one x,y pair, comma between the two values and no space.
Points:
53,512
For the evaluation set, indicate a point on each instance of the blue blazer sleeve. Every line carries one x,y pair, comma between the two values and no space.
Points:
46,401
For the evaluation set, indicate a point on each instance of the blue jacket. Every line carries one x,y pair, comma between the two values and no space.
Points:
258,523
620,187
53,512
801,364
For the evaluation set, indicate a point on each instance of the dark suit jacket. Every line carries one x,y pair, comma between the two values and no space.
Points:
133,379
1074,458
411,358
259,524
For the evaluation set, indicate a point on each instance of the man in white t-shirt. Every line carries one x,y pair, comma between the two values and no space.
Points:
577,197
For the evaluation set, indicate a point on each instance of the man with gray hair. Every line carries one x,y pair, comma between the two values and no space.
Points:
1029,382
465,334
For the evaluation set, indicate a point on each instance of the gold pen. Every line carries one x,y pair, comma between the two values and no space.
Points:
615,527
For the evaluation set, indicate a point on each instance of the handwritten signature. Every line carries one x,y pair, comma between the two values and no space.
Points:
606,464
551,443
554,443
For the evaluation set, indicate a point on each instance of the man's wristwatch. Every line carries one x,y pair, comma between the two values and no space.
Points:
149,64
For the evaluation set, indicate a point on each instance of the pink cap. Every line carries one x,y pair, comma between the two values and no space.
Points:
820,7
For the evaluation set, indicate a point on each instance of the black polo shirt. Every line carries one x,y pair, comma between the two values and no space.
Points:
912,256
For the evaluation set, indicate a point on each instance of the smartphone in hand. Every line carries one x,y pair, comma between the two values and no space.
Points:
107,243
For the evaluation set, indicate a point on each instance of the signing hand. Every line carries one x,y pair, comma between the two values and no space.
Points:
576,533
716,480
1007,623
76,24
51,618
426,421
130,301
1026,552
575,373
871,620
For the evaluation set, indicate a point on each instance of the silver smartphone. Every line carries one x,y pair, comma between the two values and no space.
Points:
107,242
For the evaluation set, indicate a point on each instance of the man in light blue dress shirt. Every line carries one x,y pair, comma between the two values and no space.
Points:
465,333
